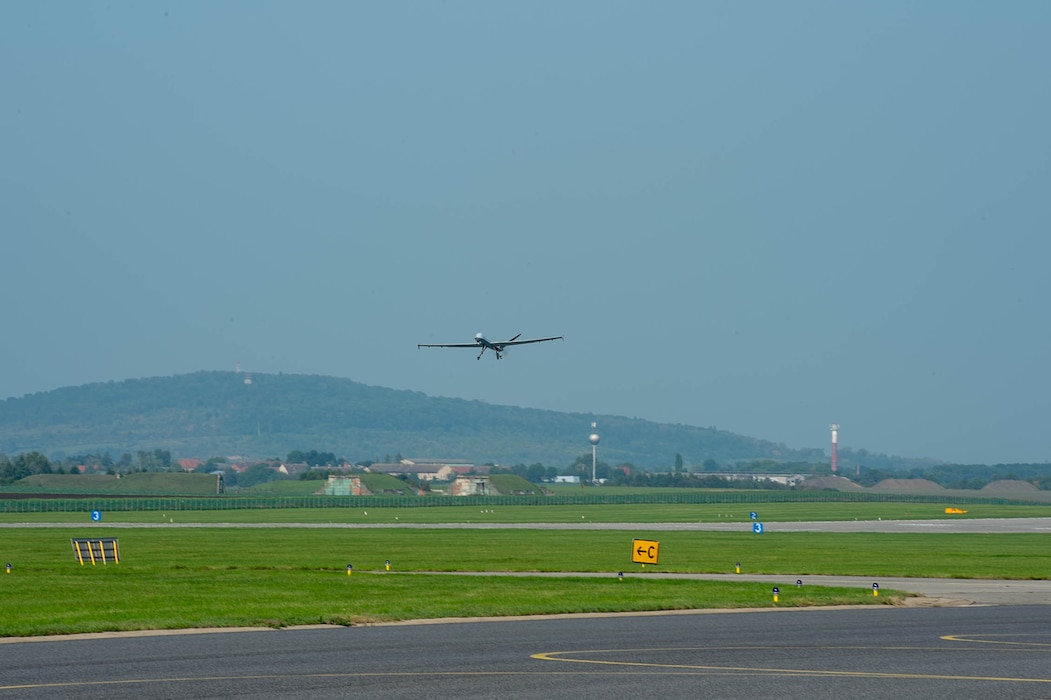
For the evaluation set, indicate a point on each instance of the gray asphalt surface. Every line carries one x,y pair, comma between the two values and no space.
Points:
876,652
936,592
982,525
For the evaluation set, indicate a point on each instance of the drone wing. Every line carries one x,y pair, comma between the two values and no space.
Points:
526,342
447,345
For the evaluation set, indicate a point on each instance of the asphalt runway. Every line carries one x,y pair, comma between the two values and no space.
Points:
980,525
933,592
875,652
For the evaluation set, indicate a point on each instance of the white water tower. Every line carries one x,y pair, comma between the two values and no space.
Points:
834,427
593,439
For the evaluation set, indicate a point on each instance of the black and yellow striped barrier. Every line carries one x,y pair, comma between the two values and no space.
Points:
95,550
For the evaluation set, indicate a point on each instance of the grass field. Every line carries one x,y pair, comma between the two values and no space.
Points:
190,577
172,577
155,600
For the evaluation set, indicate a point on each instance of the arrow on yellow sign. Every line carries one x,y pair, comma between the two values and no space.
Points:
644,551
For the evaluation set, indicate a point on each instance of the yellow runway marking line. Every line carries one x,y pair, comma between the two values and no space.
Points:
1003,642
559,656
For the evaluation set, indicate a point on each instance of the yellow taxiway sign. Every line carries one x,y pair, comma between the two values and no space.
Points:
644,551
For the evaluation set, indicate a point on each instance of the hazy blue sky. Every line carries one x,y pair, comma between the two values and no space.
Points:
759,216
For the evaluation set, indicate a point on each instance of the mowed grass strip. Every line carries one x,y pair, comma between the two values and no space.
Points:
126,599
935,555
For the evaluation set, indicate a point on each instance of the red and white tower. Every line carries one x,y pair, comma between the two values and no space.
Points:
834,427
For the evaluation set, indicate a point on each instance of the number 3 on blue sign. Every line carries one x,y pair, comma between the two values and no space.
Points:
96,515
757,528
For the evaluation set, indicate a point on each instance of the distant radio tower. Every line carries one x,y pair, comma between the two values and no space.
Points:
834,427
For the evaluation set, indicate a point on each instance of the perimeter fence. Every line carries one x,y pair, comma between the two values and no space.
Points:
190,503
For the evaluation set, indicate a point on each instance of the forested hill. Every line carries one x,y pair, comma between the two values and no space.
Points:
208,414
